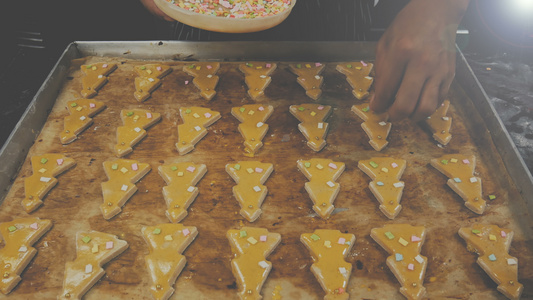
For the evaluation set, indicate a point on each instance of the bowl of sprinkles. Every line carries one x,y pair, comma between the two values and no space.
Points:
231,16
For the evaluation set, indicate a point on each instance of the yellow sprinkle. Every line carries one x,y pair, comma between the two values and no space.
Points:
492,237
403,242
250,170
168,237
95,248
358,68
94,68
385,170
79,108
319,166
251,240
198,67
196,115
313,113
149,71
308,66
259,67
124,170
180,174
42,170
453,160
327,244
251,112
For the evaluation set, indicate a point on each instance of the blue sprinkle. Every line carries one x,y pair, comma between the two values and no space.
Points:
380,183
457,180
399,257
492,257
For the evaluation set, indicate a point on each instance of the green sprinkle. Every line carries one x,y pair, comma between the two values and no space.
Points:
237,167
475,231
173,168
243,233
373,164
191,67
73,104
86,239
349,66
307,164
44,160
114,167
366,109
249,65
157,231
444,162
12,228
188,111
129,113
89,66
492,197
301,108
242,109
314,237
298,66
389,235
143,68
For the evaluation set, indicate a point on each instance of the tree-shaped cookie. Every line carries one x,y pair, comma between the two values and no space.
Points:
122,175
309,78
322,188
459,169
81,111
492,244
253,128
93,250
205,78
149,79
440,123
375,125
250,191
180,191
251,246
358,76
257,77
19,236
45,168
95,78
313,125
193,129
329,249
135,123
386,186
165,262
404,242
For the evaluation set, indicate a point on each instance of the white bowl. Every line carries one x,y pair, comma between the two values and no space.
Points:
222,24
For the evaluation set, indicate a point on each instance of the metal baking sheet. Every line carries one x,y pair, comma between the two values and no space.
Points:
476,123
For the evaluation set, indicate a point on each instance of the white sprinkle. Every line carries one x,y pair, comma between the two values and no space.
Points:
124,187
263,264
209,76
88,268
83,118
23,249
368,77
197,128
151,79
445,118
382,123
263,76
320,125
100,76
473,179
190,189
419,259
343,271
257,188
511,261
330,184
259,124
317,77
398,184
137,129
45,179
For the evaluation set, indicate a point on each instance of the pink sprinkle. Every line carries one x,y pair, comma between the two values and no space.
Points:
186,82
333,166
364,63
207,115
341,241
92,105
34,226
158,68
258,170
341,290
135,167
261,108
209,67
268,65
104,66
318,64
149,115
411,267
414,238
503,234
466,161
263,238
109,245
321,107
191,169
185,232
60,162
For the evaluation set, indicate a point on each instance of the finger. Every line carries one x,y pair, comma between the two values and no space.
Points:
445,87
388,75
429,99
408,93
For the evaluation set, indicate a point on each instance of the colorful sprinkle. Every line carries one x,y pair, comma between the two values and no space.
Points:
403,242
157,231
191,169
314,237
243,233
34,226
414,238
398,257
252,240
237,167
492,257
12,228
185,232
86,239
419,259
263,238
44,160
411,267
373,164
59,161
492,197
109,245
389,235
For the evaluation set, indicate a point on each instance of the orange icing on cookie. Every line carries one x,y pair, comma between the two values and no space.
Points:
193,129
93,250
386,186
81,111
252,127
135,121
19,236
148,79
122,175
257,77
251,246
205,78
312,126
165,262
358,76
329,249
180,191
45,168
250,191
95,78
404,243
440,123
375,125
309,78
322,188
459,169
492,243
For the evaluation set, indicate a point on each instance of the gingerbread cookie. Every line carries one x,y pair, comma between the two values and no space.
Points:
180,191
459,169
440,123
309,78
122,175
313,125
93,250
193,129
250,247
492,243
45,168
253,127
329,249
257,77
205,78
250,191
404,242
165,262
322,188
81,111
375,125
358,76
149,79
19,236
95,78
135,121
386,186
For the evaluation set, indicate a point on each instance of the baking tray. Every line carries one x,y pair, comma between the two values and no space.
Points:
427,201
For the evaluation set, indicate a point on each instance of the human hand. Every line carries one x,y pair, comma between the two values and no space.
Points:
154,10
415,59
